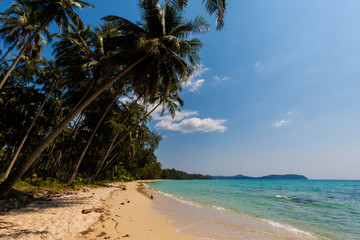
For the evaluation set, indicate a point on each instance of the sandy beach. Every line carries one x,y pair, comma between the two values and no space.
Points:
113,213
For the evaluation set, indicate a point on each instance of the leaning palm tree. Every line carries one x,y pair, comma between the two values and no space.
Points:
19,23
161,39
60,11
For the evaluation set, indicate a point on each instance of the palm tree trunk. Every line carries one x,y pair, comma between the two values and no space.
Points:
123,122
16,175
99,166
10,49
27,133
9,152
73,176
112,146
92,178
110,161
27,45
84,95
49,162
141,120
77,125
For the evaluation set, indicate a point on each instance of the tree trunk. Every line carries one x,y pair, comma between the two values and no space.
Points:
141,120
84,96
27,133
77,125
9,151
110,161
101,163
112,146
73,176
10,49
16,175
27,45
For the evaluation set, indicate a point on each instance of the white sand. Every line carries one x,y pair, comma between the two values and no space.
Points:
59,218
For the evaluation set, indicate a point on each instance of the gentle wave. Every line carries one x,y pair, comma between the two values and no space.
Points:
177,198
219,208
189,202
284,196
289,228
296,199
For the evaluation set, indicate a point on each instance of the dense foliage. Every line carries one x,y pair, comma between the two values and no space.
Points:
64,118
175,174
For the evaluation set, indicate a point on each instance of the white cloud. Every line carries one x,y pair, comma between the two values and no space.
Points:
199,71
185,122
280,123
291,113
193,84
221,78
193,125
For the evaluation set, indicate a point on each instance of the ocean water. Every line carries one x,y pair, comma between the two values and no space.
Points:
324,209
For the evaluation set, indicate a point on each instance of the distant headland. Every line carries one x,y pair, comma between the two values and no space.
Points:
180,175
286,176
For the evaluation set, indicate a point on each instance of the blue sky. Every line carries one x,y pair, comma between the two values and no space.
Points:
278,91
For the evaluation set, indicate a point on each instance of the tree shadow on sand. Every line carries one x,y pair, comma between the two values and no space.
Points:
15,231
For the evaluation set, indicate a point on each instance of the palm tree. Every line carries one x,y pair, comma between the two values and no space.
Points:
212,6
60,11
88,142
19,23
161,39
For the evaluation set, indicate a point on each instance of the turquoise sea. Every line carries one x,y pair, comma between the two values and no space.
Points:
326,209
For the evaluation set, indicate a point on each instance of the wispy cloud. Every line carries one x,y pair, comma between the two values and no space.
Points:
221,78
290,113
193,84
167,117
280,123
285,119
257,64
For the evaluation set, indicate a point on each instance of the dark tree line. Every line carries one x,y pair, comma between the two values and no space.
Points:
180,175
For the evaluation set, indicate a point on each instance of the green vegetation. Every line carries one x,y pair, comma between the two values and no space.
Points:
62,121
175,174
